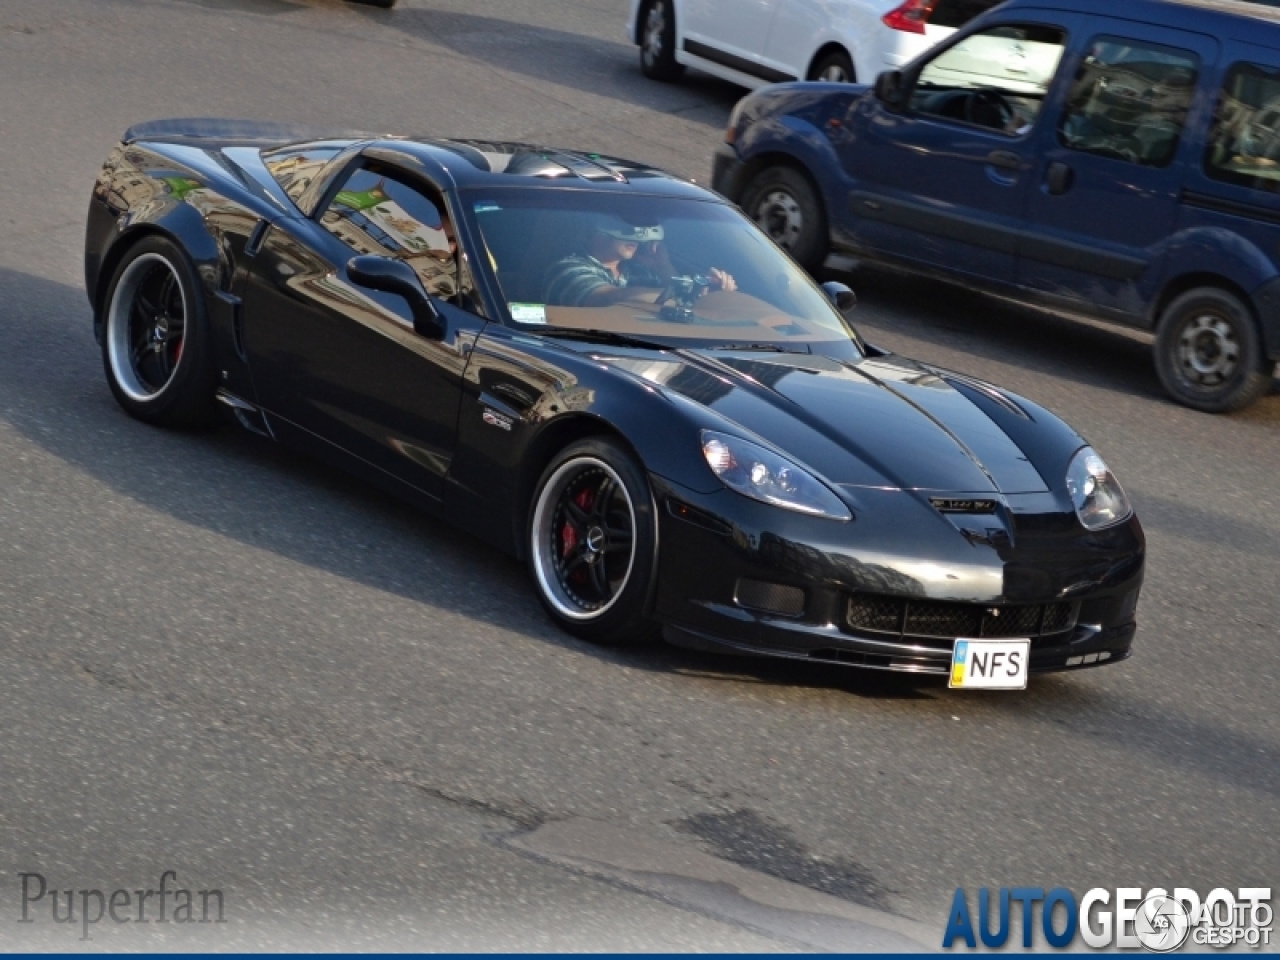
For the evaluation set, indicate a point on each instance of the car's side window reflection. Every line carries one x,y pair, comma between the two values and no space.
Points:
1244,144
997,78
377,213
1129,101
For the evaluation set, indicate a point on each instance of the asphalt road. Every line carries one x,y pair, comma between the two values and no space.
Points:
226,661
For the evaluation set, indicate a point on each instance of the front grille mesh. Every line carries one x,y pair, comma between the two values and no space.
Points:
868,613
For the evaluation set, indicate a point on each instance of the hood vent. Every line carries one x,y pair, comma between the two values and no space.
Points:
962,505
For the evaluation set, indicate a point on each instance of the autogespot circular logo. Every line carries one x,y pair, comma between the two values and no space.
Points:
1161,924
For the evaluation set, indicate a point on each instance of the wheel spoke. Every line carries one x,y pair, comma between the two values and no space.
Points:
576,516
604,493
576,559
599,580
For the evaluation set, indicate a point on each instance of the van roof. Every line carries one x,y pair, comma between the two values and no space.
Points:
1225,19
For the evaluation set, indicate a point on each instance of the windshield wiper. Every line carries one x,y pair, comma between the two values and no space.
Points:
605,336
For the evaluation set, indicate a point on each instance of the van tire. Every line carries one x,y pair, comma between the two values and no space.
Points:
656,28
784,204
1209,353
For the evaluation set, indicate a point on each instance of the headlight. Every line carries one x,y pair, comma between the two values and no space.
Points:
1095,491
755,472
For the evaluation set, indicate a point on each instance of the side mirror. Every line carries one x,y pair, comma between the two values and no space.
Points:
395,276
839,294
890,88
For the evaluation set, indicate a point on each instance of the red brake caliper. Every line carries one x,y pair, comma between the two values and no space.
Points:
568,536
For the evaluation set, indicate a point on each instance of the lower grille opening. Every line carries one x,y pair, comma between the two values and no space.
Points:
779,598
946,620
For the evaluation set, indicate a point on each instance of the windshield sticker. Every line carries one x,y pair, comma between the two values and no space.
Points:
485,206
529,312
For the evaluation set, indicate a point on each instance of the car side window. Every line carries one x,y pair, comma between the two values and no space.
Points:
1244,142
1129,101
376,212
295,167
996,78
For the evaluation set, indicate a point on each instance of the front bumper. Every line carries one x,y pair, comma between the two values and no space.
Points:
713,544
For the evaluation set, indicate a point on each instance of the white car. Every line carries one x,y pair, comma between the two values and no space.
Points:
754,42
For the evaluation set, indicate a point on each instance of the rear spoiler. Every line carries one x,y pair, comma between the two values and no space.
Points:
228,131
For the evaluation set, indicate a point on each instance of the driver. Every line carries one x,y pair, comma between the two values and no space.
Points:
618,255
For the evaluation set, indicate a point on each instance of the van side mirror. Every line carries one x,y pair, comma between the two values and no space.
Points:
839,294
890,88
395,276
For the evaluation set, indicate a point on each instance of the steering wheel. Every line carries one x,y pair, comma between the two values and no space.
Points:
983,106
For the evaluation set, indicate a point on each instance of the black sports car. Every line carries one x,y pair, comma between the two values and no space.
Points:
611,373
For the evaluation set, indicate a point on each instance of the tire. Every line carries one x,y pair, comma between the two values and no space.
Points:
657,23
156,347
1209,352
591,576
384,4
834,67
784,204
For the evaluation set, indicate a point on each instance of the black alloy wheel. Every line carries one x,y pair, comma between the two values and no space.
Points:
1209,352
784,204
834,67
593,542
155,339
658,41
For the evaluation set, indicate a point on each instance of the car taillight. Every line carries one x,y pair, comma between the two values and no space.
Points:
910,17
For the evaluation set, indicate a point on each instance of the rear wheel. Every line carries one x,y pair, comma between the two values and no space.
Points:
1209,352
833,67
658,41
155,341
785,205
593,542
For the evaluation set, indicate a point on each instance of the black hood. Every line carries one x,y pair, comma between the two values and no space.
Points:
882,422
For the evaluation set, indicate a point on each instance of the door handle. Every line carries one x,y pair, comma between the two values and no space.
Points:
1005,160
1058,178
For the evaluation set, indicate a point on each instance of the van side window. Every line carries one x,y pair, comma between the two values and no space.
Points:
1129,101
995,79
1243,146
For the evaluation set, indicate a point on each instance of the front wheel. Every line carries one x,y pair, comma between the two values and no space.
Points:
658,41
155,339
593,542
784,204
1209,352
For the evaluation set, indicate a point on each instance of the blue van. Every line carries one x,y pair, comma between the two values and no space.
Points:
1121,160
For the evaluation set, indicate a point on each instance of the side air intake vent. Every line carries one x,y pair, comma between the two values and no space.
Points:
769,597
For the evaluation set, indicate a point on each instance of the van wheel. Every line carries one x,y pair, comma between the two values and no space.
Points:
658,41
155,342
593,542
784,205
1208,352
834,67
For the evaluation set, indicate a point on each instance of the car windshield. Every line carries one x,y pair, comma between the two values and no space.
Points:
680,271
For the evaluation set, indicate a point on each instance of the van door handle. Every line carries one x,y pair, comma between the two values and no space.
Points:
1005,160
1058,178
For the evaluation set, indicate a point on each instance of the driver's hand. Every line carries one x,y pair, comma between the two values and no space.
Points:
721,280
